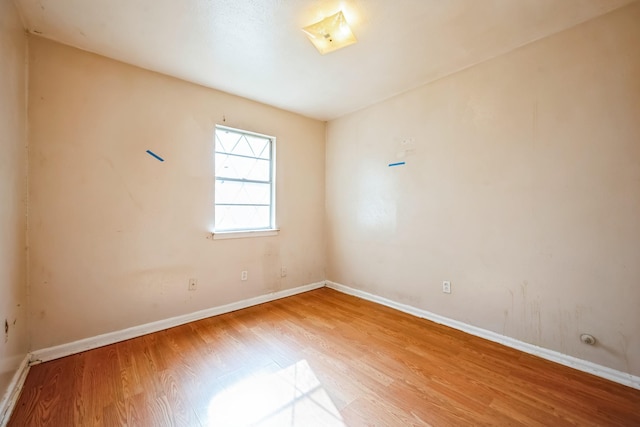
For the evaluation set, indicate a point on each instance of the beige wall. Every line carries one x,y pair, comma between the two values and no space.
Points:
523,189
13,185
115,234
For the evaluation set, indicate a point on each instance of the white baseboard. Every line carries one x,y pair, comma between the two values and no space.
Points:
51,353
554,356
10,397
63,350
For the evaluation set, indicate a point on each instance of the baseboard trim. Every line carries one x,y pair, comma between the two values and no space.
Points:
56,352
10,397
554,356
51,353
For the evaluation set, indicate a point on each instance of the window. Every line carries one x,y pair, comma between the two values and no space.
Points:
245,184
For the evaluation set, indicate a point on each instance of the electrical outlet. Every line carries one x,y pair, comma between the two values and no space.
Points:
283,271
244,275
193,284
446,287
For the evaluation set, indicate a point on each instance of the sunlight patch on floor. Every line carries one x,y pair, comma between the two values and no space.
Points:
290,397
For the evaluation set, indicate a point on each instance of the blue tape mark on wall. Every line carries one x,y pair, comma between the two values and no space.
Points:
396,164
155,155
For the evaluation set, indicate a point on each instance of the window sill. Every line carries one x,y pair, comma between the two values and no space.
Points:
220,235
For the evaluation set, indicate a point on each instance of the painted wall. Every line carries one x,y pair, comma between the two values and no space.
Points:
521,186
116,234
13,185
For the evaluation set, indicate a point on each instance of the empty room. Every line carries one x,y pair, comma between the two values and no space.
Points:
320,213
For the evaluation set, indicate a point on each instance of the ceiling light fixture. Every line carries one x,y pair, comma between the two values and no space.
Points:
332,33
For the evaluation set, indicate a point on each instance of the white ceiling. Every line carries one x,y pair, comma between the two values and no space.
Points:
255,48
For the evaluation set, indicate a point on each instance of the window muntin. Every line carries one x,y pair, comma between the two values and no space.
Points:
245,187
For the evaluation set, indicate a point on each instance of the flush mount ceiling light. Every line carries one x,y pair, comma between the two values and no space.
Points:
332,33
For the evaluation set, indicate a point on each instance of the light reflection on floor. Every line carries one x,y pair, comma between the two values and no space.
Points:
292,396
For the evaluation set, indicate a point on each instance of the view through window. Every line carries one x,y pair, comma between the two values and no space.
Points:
244,171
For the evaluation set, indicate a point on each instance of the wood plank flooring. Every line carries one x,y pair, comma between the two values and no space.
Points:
319,358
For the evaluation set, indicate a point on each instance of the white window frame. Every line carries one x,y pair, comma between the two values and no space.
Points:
271,230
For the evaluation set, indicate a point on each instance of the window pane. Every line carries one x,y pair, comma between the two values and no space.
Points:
242,217
242,168
225,141
259,146
243,193
243,181
244,145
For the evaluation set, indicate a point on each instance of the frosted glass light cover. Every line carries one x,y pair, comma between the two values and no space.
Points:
332,33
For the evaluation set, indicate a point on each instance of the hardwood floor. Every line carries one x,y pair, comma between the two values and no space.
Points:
319,358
